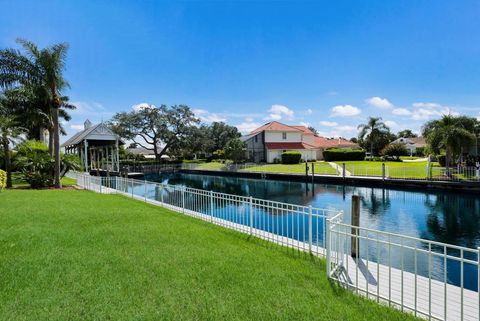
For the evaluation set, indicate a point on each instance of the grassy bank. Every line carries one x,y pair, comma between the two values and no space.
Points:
320,168
396,169
76,255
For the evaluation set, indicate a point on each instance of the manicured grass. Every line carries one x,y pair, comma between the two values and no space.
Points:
76,255
396,169
212,166
320,168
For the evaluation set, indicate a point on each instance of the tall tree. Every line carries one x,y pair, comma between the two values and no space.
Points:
220,133
313,130
373,131
406,133
449,134
42,70
158,129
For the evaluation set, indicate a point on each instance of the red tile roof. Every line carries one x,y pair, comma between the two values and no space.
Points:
275,126
304,129
286,146
322,142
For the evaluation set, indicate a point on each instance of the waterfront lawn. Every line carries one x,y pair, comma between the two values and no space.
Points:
396,169
320,168
76,255
212,166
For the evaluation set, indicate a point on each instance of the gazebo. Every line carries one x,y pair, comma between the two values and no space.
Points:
97,146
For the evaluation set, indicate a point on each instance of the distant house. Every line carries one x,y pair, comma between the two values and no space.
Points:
268,142
411,143
148,154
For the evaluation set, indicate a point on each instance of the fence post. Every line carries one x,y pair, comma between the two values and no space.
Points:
211,206
343,170
383,171
478,278
313,171
100,185
327,246
251,214
145,192
183,200
355,246
161,195
132,187
310,229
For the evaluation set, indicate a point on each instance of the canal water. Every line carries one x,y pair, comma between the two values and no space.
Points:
446,217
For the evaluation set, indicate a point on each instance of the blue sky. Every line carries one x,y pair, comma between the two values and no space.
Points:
329,64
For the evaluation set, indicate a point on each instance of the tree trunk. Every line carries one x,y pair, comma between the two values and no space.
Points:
447,162
56,147
8,161
41,134
50,140
371,149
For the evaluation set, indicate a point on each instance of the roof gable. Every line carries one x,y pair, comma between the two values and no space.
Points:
275,126
95,132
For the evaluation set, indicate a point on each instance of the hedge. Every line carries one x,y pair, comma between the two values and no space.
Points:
291,157
331,155
3,180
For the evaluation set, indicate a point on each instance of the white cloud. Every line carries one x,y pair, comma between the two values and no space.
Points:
278,111
247,126
345,111
207,116
428,113
140,106
346,128
379,102
426,105
328,123
308,111
77,126
392,124
305,124
401,112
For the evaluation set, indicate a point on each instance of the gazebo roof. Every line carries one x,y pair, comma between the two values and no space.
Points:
98,132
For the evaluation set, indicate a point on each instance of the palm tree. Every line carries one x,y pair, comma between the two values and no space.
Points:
372,131
449,134
41,70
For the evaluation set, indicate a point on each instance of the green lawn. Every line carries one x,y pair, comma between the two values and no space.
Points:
76,255
212,166
320,168
396,169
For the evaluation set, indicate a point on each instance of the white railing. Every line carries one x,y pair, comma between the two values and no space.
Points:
297,226
429,279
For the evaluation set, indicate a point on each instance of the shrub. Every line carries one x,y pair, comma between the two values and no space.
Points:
395,150
343,155
420,151
3,180
218,154
291,157
235,150
442,160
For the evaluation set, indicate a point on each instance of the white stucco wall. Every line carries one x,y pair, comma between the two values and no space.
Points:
276,137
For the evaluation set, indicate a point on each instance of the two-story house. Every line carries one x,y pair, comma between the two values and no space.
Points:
268,142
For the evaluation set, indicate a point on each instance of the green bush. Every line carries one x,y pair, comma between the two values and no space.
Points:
3,180
395,150
442,160
420,151
291,157
331,155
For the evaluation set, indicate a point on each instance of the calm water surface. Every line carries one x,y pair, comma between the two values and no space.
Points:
447,217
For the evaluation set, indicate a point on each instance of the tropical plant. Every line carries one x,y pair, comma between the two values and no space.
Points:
373,131
447,134
36,163
42,71
10,131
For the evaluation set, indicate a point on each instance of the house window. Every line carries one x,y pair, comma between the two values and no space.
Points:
284,135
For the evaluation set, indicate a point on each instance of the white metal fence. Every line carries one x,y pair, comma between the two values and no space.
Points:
430,279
